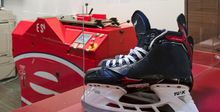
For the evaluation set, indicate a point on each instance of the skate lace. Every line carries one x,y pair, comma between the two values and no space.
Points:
134,55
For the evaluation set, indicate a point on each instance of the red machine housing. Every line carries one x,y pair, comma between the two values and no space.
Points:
49,54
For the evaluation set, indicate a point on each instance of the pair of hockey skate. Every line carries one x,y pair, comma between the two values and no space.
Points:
156,76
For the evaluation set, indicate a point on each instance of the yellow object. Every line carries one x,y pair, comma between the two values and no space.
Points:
92,47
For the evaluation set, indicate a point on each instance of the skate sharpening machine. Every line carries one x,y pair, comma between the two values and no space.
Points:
50,53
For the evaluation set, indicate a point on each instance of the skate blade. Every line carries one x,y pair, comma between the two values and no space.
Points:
174,98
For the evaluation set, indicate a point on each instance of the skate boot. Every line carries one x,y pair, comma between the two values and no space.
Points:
160,81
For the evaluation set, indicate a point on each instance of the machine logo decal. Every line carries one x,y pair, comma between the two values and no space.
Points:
43,80
40,28
25,101
46,75
178,93
50,57
42,90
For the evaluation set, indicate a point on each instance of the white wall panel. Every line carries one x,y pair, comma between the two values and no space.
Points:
162,13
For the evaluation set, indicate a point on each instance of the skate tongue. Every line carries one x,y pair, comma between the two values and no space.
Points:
140,22
142,27
145,34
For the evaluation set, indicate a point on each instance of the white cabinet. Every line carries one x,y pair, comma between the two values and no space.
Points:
7,66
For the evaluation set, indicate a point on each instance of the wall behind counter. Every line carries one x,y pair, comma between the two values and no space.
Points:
162,13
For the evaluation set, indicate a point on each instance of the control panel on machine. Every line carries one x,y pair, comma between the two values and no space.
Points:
88,41
81,40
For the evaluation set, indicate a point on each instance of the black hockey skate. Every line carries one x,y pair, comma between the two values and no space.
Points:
158,80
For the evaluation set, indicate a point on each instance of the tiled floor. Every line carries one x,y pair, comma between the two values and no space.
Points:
9,95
